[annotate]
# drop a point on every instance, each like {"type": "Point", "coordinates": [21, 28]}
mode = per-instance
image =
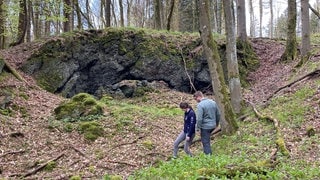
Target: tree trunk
{"type": "Point", "coordinates": [129, 3]}
{"type": "Point", "coordinates": [241, 15]}
{"type": "Point", "coordinates": [231, 55]}
{"type": "Point", "coordinates": [252, 20]}
{"type": "Point", "coordinates": [305, 28]}
{"type": "Point", "coordinates": [22, 26]}
{"type": "Point", "coordinates": [121, 13]}
{"type": "Point", "coordinates": [271, 19]}
{"type": "Point", "coordinates": [171, 10]}
{"type": "Point", "coordinates": [291, 45]}
{"type": "Point", "coordinates": [157, 17]}
{"type": "Point", "coordinates": [261, 17]}
{"type": "Point", "coordinates": [29, 15]}
{"type": "Point", "coordinates": [108, 13]}
{"type": "Point", "coordinates": [228, 123]}
{"type": "Point", "coordinates": [78, 12]}
{"type": "Point", "coordinates": [67, 14]}
{"type": "Point", "coordinates": [2, 27]}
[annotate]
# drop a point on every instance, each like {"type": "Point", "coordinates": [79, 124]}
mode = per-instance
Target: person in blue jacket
{"type": "Point", "coordinates": [188, 132]}
{"type": "Point", "coordinates": [208, 116]}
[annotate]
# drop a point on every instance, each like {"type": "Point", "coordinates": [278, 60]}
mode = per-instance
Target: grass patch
{"type": "Point", "coordinates": [289, 110]}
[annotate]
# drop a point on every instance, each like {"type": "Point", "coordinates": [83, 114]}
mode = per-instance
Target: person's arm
{"type": "Point", "coordinates": [192, 124]}
{"type": "Point", "coordinates": [199, 117]}
{"type": "Point", "coordinates": [218, 116]}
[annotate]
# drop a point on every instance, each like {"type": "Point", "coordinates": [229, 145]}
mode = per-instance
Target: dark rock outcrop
{"type": "Point", "coordinates": [96, 60]}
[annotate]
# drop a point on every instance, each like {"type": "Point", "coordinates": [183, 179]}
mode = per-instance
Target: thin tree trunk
{"type": "Point", "coordinates": [108, 13]}
{"type": "Point", "coordinates": [121, 13]}
{"type": "Point", "coordinates": [271, 18]}
{"type": "Point", "coordinates": [241, 17]}
{"type": "Point", "coordinates": [28, 31]}
{"type": "Point", "coordinates": [2, 27]}
{"type": "Point", "coordinates": [228, 123]}
{"type": "Point", "coordinates": [114, 15]}
{"type": "Point", "coordinates": [129, 3]}
{"type": "Point", "coordinates": [252, 20]}
{"type": "Point", "coordinates": [305, 27]}
{"type": "Point", "coordinates": [231, 56]}
{"type": "Point", "coordinates": [78, 12]}
{"type": "Point", "coordinates": [67, 14]}
{"type": "Point", "coordinates": [261, 17]}
{"type": "Point", "coordinates": [157, 17]}
{"type": "Point", "coordinates": [171, 10]}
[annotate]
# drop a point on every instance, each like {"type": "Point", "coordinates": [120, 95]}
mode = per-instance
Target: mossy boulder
{"type": "Point", "coordinates": [80, 105]}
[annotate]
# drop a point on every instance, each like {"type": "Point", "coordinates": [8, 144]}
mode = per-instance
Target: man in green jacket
{"type": "Point", "coordinates": [208, 118]}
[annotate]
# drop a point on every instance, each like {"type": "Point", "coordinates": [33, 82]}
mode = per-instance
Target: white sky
{"type": "Point", "coordinates": [279, 6]}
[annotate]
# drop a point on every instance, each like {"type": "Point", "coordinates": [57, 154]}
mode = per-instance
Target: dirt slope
{"type": "Point", "coordinates": [26, 142]}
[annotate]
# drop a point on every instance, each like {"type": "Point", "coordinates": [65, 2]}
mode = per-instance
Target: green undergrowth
{"type": "Point", "coordinates": [247, 153]}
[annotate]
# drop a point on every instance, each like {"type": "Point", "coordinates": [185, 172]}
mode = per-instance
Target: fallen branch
{"type": "Point", "coordinates": [121, 162]}
{"type": "Point", "coordinates": [42, 166]}
{"type": "Point", "coordinates": [132, 142]}
{"type": "Point", "coordinates": [315, 72]}
{"type": "Point", "coordinates": [279, 139]}
{"type": "Point", "coordinates": [186, 70]}
{"type": "Point", "coordinates": [12, 152]}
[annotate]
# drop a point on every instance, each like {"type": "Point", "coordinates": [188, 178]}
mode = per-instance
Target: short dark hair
{"type": "Point", "coordinates": [184, 105]}
{"type": "Point", "coordinates": [198, 94]}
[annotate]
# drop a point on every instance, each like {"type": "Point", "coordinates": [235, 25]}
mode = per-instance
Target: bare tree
{"type": "Point", "coordinates": [228, 123]}
{"type": "Point", "coordinates": [171, 11]}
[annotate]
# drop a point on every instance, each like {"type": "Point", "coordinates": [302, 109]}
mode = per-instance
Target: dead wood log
{"type": "Point", "coordinates": [311, 74]}
{"type": "Point", "coordinates": [42, 166]}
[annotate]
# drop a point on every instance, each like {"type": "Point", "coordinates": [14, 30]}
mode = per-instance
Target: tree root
{"type": "Point", "coordinates": [42, 166]}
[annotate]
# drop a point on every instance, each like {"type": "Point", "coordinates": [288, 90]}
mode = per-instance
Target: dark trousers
{"type": "Point", "coordinates": [205, 139]}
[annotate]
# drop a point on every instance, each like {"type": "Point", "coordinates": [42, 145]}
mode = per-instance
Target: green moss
{"type": "Point", "coordinates": [247, 60]}
{"type": "Point", "coordinates": [91, 130]}
{"type": "Point", "coordinates": [80, 105]}
{"type": "Point", "coordinates": [50, 166]}
{"type": "Point", "coordinates": [75, 177]}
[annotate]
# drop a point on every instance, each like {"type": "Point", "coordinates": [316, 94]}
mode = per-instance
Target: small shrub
{"type": "Point", "coordinates": [76, 177]}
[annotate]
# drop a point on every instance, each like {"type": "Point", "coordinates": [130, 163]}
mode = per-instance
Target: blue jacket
{"type": "Point", "coordinates": [208, 114]}
{"type": "Point", "coordinates": [189, 122]}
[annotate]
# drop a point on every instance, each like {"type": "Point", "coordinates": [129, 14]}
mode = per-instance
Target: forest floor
{"type": "Point", "coordinates": [27, 143]}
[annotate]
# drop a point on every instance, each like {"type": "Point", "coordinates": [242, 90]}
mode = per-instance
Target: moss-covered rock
{"type": "Point", "coordinates": [80, 105]}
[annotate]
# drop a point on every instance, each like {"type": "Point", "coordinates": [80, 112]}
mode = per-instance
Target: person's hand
{"type": "Point", "coordinates": [187, 138]}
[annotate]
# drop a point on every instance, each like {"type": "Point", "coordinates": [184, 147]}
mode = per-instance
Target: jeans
{"type": "Point", "coordinates": [205, 139]}
{"type": "Point", "coordinates": [179, 139]}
